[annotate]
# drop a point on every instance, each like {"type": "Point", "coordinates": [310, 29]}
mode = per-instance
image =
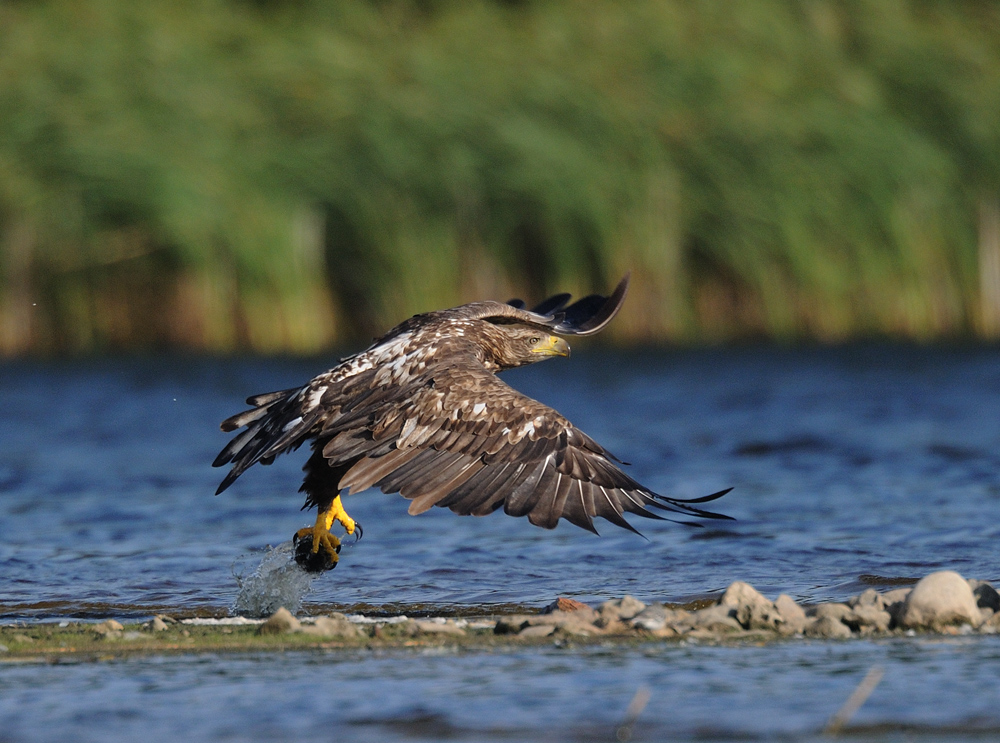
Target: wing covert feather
{"type": "Point", "coordinates": [462, 439]}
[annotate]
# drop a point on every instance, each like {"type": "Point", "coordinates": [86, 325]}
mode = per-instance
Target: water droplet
{"type": "Point", "coordinates": [276, 582]}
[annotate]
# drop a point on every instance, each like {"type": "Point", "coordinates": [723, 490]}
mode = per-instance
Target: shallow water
{"type": "Point", "coordinates": [867, 465]}
{"type": "Point", "coordinates": [931, 690]}
{"type": "Point", "coordinates": [866, 461]}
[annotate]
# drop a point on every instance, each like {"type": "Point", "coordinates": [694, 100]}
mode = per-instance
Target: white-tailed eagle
{"type": "Point", "coordinates": [422, 413]}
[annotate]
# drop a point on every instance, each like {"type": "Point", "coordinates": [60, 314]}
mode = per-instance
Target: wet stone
{"type": "Point", "coordinates": [512, 625]}
{"type": "Point", "coordinates": [156, 625]}
{"type": "Point", "coordinates": [433, 627]}
{"type": "Point", "coordinates": [108, 629]}
{"type": "Point", "coordinates": [868, 619]}
{"type": "Point", "coordinates": [621, 609]}
{"type": "Point", "coordinates": [717, 619]}
{"type": "Point", "coordinates": [992, 625]}
{"type": "Point", "coordinates": [793, 616]}
{"type": "Point", "coordinates": [653, 617]}
{"type": "Point", "coordinates": [832, 610]}
{"type": "Point", "coordinates": [750, 609]}
{"type": "Point", "coordinates": [938, 600]}
{"type": "Point", "coordinates": [894, 602]}
{"type": "Point", "coordinates": [896, 595]}
{"type": "Point", "coordinates": [827, 626]}
{"type": "Point", "coordinates": [335, 625]}
{"type": "Point", "coordinates": [580, 616]}
{"type": "Point", "coordinates": [986, 595]}
{"type": "Point", "coordinates": [565, 604]}
{"type": "Point", "coordinates": [578, 629]}
{"type": "Point", "coordinates": [280, 622]}
{"type": "Point", "coordinates": [868, 597]}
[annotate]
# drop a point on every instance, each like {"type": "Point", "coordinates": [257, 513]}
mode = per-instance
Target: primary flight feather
{"type": "Point", "coordinates": [421, 412]}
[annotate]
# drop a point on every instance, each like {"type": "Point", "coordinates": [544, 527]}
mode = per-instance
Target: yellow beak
{"type": "Point", "coordinates": [551, 346]}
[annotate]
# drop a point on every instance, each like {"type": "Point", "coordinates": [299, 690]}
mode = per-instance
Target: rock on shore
{"type": "Point", "coordinates": [942, 602]}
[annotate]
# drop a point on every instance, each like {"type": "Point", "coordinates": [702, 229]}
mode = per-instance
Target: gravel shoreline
{"type": "Point", "coordinates": [941, 603]}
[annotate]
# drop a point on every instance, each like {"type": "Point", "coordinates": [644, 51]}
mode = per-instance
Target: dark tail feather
{"type": "Point", "coordinates": [275, 426]}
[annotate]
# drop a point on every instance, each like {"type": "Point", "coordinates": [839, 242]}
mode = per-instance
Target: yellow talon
{"type": "Point", "coordinates": [336, 512]}
{"type": "Point", "coordinates": [307, 554]}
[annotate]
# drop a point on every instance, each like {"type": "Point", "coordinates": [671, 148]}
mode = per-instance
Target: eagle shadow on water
{"type": "Point", "coordinates": [422, 413]}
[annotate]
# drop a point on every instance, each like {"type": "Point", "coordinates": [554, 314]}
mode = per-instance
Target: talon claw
{"type": "Point", "coordinates": [358, 532]}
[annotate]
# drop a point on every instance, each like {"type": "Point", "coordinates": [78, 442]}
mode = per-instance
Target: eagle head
{"type": "Point", "coordinates": [513, 345]}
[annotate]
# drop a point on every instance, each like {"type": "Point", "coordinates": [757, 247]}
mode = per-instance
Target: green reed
{"type": "Point", "coordinates": [287, 175]}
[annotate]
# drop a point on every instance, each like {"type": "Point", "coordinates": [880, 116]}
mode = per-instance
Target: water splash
{"type": "Point", "coordinates": [277, 581]}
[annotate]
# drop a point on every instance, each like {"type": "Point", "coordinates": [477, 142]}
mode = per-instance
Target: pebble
{"type": "Point", "coordinates": [335, 625]}
{"type": "Point", "coordinates": [651, 618]}
{"type": "Point", "coordinates": [827, 626]}
{"type": "Point", "coordinates": [834, 611]}
{"type": "Point", "coordinates": [986, 595]}
{"type": "Point", "coordinates": [719, 619]}
{"type": "Point", "coordinates": [793, 616]}
{"type": "Point", "coordinates": [942, 602]}
{"type": "Point", "coordinates": [621, 609]}
{"type": "Point", "coordinates": [868, 618]}
{"type": "Point", "coordinates": [868, 597]}
{"type": "Point", "coordinates": [108, 629]}
{"type": "Point", "coordinates": [564, 604]}
{"type": "Point", "coordinates": [947, 603]}
{"type": "Point", "coordinates": [433, 627]}
{"type": "Point", "coordinates": [750, 609]}
{"type": "Point", "coordinates": [280, 622]}
{"type": "Point", "coordinates": [938, 600]}
{"type": "Point", "coordinates": [512, 625]}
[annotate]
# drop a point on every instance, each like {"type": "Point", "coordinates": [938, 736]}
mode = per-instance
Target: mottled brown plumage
{"type": "Point", "coordinates": [421, 412]}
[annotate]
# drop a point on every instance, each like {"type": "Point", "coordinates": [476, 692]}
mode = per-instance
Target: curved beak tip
{"type": "Point", "coordinates": [553, 346]}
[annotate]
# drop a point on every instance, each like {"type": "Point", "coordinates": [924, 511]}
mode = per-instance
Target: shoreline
{"type": "Point", "coordinates": [942, 603]}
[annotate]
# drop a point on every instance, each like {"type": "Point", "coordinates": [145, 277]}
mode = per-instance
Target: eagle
{"type": "Point", "coordinates": [421, 412]}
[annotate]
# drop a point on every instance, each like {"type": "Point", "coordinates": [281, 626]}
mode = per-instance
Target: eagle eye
{"type": "Point", "coordinates": [534, 340]}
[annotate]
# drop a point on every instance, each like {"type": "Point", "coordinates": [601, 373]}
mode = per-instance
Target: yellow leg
{"type": "Point", "coordinates": [321, 538]}
{"type": "Point", "coordinates": [336, 512]}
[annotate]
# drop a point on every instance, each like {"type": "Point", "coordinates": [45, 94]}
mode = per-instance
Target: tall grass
{"type": "Point", "coordinates": [283, 176]}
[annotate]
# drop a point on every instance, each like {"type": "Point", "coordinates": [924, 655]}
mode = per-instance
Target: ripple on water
{"type": "Point", "coordinates": [846, 462]}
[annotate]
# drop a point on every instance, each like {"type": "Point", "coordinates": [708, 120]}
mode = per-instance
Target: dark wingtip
{"type": "Point", "coordinates": [683, 505]}
{"type": "Point", "coordinates": [229, 480]}
{"type": "Point", "coordinates": [590, 314]}
{"type": "Point", "coordinates": [704, 498]}
{"type": "Point", "coordinates": [552, 304]}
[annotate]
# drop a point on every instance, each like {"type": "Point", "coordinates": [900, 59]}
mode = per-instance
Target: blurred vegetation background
{"type": "Point", "coordinates": [286, 175]}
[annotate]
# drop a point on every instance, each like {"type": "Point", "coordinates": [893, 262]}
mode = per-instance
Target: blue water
{"type": "Point", "coordinates": [931, 690]}
{"type": "Point", "coordinates": [852, 467]}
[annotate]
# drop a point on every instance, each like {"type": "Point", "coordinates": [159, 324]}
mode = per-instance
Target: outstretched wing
{"type": "Point", "coordinates": [464, 440]}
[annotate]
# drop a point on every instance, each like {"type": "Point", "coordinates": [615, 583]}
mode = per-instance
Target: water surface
{"type": "Point", "coordinates": [867, 465]}
{"type": "Point", "coordinates": [847, 463]}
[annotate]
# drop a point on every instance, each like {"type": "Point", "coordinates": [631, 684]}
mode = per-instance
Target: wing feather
{"type": "Point", "coordinates": [502, 450]}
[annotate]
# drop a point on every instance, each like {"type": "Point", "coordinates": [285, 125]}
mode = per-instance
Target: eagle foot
{"type": "Point", "coordinates": [316, 554]}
